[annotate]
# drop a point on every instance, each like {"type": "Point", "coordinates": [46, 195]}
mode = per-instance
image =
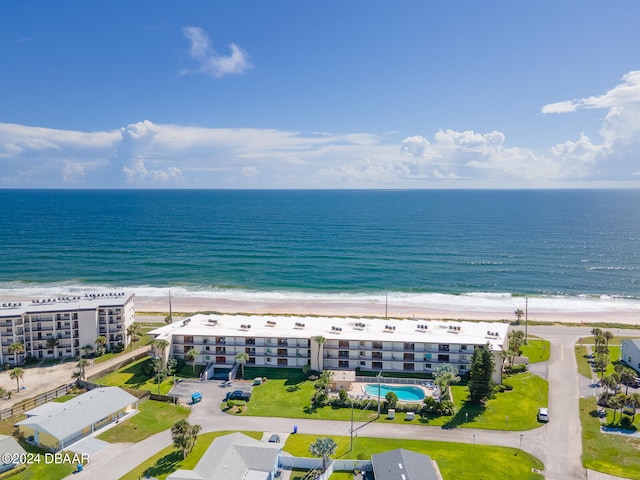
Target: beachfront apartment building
{"type": "Point", "coordinates": [73, 321]}
{"type": "Point", "coordinates": [335, 343]}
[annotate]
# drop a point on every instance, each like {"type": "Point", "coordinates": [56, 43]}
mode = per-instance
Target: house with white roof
{"type": "Point", "coordinates": [336, 343]}
{"type": "Point", "coordinates": [55, 426]}
{"type": "Point", "coordinates": [630, 353]}
{"type": "Point", "coordinates": [235, 457]}
{"type": "Point", "coordinates": [11, 450]}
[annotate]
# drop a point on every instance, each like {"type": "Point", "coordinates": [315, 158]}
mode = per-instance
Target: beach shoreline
{"type": "Point", "coordinates": [379, 310]}
{"type": "Point", "coordinates": [378, 307]}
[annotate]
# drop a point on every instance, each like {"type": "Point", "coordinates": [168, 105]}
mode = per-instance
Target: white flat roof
{"type": "Point", "coordinates": [66, 303]}
{"type": "Point", "coordinates": [339, 328]}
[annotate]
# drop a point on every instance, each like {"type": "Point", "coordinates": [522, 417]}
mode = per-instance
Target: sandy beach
{"type": "Point", "coordinates": [462, 308]}
{"type": "Point", "coordinates": [346, 308]}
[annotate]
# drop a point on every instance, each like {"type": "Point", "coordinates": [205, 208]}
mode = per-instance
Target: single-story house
{"type": "Point", "coordinates": [401, 464]}
{"type": "Point", "coordinates": [55, 426]}
{"type": "Point", "coordinates": [235, 457]}
{"type": "Point", "coordinates": [630, 353]}
{"type": "Point", "coordinates": [11, 450]}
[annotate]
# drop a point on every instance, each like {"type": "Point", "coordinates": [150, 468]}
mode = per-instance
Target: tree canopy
{"type": "Point", "coordinates": [480, 375]}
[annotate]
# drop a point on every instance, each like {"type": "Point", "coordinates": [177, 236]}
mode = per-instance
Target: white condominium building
{"type": "Point", "coordinates": [73, 321]}
{"type": "Point", "coordinates": [334, 343]}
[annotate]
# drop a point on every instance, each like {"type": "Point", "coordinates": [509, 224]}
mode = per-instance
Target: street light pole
{"type": "Point", "coordinates": [351, 446]}
{"type": "Point", "coordinates": [379, 376]}
{"type": "Point", "coordinates": [520, 447]}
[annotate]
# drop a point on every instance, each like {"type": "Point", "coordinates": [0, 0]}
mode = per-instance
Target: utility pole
{"type": "Point", "coordinates": [526, 319]}
{"type": "Point", "coordinates": [386, 304]}
{"type": "Point", "coordinates": [379, 376]}
{"type": "Point", "coordinates": [351, 445]}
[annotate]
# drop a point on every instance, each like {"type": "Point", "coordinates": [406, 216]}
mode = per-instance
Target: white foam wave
{"type": "Point", "coordinates": [467, 302]}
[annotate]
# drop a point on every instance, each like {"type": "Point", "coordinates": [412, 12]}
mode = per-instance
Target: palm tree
{"type": "Point", "coordinates": [445, 375]}
{"type": "Point", "coordinates": [16, 349]}
{"type": "Point", "coordinates": [17, 374]}
{"type": "Point", "coordinates": [192, 355]}
{"type": "Point", "coordinates": [323, 447]}
{"type": "Point", "coordinates": [161, 345]}
{"type": "Point", "coordinates": [607, 336]}
{"type": "Point", "coordinates": [600, 364]}
{"type": "Point", "coordinates": [132, 333]}
{"type": "Point", "coordinates": [86, 349]}
{"type": "Point", "coordinates": [616, 402]}
{"type": "Point", "coordinates": [100, 342]}
{"type": "Point", "coordinates": [634, 401]}
{"type": "Point", "coordinates": [52, 344]}
{"type": "Point", "coordinates": [626, 376]}
{"type": "Point", "coordinates": [609, 383]}
{"type": "Point", "coordinates": [242, 358]}
{"type": "Point", "coordinates": [519, 314]}
{"type": "Point", "coordinates": [320, 340]}
{"type": "Point", "coordinates": [82, 366]}
{"type": "Point", "coordinates": [184, 436]}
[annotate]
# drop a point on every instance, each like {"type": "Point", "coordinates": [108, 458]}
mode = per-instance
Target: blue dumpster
{"type": "Point", "coordinates": [79, 467]}
{"type": "Point", "coordinates": [295, 429]}
{"type": "Point", "coordinates": [196, 397]}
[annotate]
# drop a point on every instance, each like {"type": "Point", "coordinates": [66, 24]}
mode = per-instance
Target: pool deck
{"type": "Point", "coordinates": [358, 392]}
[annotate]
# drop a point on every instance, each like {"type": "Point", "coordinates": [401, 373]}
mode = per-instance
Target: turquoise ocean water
{"type": "Point", "coordinates": [564, 244]}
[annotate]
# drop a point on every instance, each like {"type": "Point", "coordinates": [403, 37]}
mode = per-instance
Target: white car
{"type": "Point", "coordinates": [543, 414]}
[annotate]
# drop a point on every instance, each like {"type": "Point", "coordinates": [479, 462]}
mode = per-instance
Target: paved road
{"type": "Point", "coordinates": [558, 444]}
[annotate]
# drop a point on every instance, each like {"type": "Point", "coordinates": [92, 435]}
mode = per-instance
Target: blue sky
{"type": "Point", "coordinates": [289, 94]}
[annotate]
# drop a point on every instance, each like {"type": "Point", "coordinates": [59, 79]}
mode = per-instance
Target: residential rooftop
{"type": "Point", "coordinates": [304, 327]}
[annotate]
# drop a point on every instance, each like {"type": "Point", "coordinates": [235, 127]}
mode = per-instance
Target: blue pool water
{"type": "Point", "coordinates": [406, 393]}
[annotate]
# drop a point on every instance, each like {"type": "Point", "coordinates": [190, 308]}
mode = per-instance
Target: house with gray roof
{"type": "Point", "coordinates": [9, 445]}
{"type": "Point", "coordinates": [630, 353]}
{"type": "Point", "coordinates": [235, 457]}
{"type": "Point", "coordinates": [401, 464]}
{"type": "Point", "coordinates": [54, 426]}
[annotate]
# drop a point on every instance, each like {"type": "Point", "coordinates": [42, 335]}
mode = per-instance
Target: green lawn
{"type": "Point", "coordinates": [64, 398]}
{"type": "Point", "coordinates": [169, 459]}
{"type": "Point", "coordinates": [537, 350]}
{"type": "Point", "coordinates": [613, 454]}
{"type": "Point", "coordinates": [455, 460]}
{"type": "Point", "coordinates": [615, 341]}
{"type": "Point", "coordinates": [133, 376]}
{"type": "Point", "coordinates": [584, 367]}
{"type": "Point", "coordinates": [37, 471]}
{"type": "Point", "coordinates": [290, 397]}
{"type": "Point", "coordinates": [153, 417]}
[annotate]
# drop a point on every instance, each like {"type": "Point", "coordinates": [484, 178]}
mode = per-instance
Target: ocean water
{"type": "Point", "coordinates": [450, 246]}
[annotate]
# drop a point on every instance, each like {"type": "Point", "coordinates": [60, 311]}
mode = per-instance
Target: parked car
{"type": "Point", "coordinates": [274, 438]}
{"type": "Point", "coordinates": [239, 395]}
{"type": "Point", "coordinates": [543, 414]}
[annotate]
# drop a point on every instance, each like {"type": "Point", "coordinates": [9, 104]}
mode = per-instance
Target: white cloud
{"type": "Point", "coordinates": [211, 62]}
{"type": "Point", "coordinates": [145, 154]}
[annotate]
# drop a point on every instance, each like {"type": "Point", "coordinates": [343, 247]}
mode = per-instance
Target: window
{"type": "Point", "coordinates": [343, 343]}
{"type": "Point", "coordinates": [409, 346]}
{"type": "Point", "coordinates": [427, 365]}
{"type": "Point", "coordinates": [463, 347]}
{"type": "Point", "coordinates": [221, 360]}
{"type": "Point", "coordinates": [409, 366]}
{"type": "Point", "coordinates": [282, 362]}
{"type": "Point", "coordinates": [408, 356]}
{"type": "Point", "coordinates": [250, 341]}
{"type": "Point", "coordinates": [377, 345]}
{"type": "Point", "coordinates": [362, 364]}
{"type": "Point", "coordinates": [376, 365]}
{"type": "Point", "coordinates": [443, 358]}
{"type": "Point", "coordinates": [221, 340]}
{"type": "Point", "coordinates": [343, 363]}
{"type": "Point", "coordinates": [427, 356]}
{"type": "Point", "coordinates": [443, 348]}
{"type": "Point", "coordinates": [343, 354]}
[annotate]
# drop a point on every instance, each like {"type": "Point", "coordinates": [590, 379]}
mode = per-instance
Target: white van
{"type": "Point", "coordinates": [543, 414]}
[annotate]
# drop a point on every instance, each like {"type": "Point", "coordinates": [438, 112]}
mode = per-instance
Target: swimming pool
{"type": "Point", "coordinates": [405, 393]}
